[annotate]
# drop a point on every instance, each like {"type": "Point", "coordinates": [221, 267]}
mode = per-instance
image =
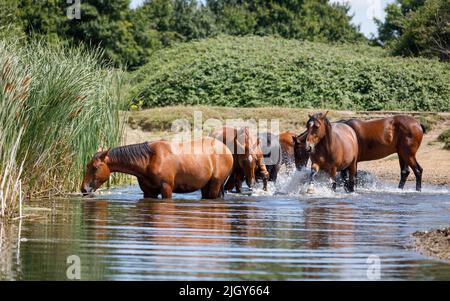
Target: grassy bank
{"type": "Point", "coordinates": [162, 119]}
{"type": "Point", "coordinates": [57, 105]}
{"type": "Point", "coordinates": [156, 123]}
{"type": "Point", "coordinates": [268, 71]}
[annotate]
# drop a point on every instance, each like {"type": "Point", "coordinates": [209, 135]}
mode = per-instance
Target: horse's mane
{"type": "Point", "coordinates": [132, 152]}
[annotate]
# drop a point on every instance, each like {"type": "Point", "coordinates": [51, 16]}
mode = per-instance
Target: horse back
{"type": "Point", "coordinates": [382, 137]}
{"type": "Point", "coordinates": [286, 140]}
{"type": "Point", "coordinates": [189, 155]}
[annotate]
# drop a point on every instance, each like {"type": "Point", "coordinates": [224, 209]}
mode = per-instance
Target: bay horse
{"type": "Point", "coordinates": [333, 147]}
{"type": "Point", "coordinates": [287, 147]}
{"type": "Point", "coordinates": [162, 167]}
{"type": "Point", "coordinates": [301, 155]}
{"type": "Point", "coordinates": [399, 134]}
{"type": "Point", "coordinates": [247, 157]}
{"type": "Point", "coordinates": [272, 154]}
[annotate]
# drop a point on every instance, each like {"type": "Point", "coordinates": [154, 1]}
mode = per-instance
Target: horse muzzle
{"type": "Point", "coordinates": [86, 190]}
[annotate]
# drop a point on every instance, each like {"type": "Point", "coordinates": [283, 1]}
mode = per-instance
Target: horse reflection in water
{"type": "Point", "coordinates": [213, 239]}
{"type": "Point", "coordinates": [96, 214]}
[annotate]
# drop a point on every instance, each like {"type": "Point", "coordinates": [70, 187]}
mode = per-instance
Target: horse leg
{"type": "Point", "coordinates": [146, 189]}
{"type": "Point", "coordinates": [229, 185]}
{"type": "Point", "coordinates": [410, 159]}
{"type": "Point", "coordinates": [418, 170]}
{"type": "Point", "coordinates": [352, 170]}
{"type": "Point", "coordinates": [274, 175]}
{"type": "Point", "coordinates": [312, 177]}
{"type": "Point", "coordinates": [239, 179]}
{"type": "Point", "coordinates": [205, 192]}
{"type": "Point", "coordinates": [343, 181]}
{"type": "Point", "coordinates": [214, 189]}
{"type": "Point", "coordinates": [166, 191]}
{"type": "Point", "coordinates": [333, 178]}
{"type": "Point", "coordinates": [404, 172]}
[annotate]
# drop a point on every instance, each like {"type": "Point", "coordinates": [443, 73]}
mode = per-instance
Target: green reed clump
{"type": "Point", "coordinates": [57, 105]}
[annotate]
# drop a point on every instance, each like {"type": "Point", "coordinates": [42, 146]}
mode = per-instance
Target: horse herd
{"type": "Point", "coordinates": [230, 156]}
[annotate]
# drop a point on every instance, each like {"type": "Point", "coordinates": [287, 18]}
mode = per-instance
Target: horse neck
{"type": "Point", "coordinates": [125, 165]}
{"type": "Point", "coordinates": [329, 139]}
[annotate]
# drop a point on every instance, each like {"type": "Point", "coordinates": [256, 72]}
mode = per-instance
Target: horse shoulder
{"type": "Point", "coordinates": [161, 158]}
{"type": "Point", "coordinates": [347, 141]}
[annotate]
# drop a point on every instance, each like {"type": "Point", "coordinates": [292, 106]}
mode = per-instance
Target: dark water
{"type": "Point", "coordinates": [119, 236]}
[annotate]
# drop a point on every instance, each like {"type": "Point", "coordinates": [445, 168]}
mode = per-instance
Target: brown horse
{"type": "Point", "coordinates": [281, 150]}
{"type": "Point", "coordinates": [162, 167]}
{"type": "Point", "coordinates": [399, 134]}
{"type": "Point", "coordinates": [271, 149]}
{"type": "Point", "coordinates": [287, 147]}
{"type": "Point", "coordinates": [301, 155]}
{"type": "Point", "coordinates": [333, 147]}
{"type": "Point", "coordinates": [247, 155]}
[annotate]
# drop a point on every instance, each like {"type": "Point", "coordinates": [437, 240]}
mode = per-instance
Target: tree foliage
{"type": "Point", "coordinates": [296, 19]}
{"type": "Point", "coordinates": [129, 36]}
{"type": "Point", "coordinates": [417, 28]}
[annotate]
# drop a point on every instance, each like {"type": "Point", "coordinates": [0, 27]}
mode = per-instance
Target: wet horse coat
{"type": "Point", "coordinates": [272, 152]}
{"type": "Point", "coordinates": [287, 144]}
{"type": "Point", "coordinates": [162, 167]}
{"type": "Point", "coordinates": [301, 156]}
{"type": "Point", "coordinates": [333, 147]}
{"type": "Point", "coordinates": [247, 155]}
{"type": "Point", "coordinates": [399, 134]}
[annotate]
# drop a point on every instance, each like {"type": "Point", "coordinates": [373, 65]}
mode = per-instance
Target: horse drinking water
{"type": "Point", "coordinates": [333, 147]}
{"type": "Point", "coordinates": [247, 155]}
{"type": "Point", "coordinates": [162, 167]}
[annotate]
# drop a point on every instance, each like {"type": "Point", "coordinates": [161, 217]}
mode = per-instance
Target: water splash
{"type": "Point", "coordinates": [292, 182]}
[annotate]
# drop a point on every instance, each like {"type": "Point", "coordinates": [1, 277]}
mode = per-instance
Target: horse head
{"type": "Point", "coordinates": [250, 156]}
{"type": "Point", "coordinates": [301, 155]}
{"type": "Point", "coordinates": [316, 129]}
{"type": "Point", "coordinates": [97, 172]}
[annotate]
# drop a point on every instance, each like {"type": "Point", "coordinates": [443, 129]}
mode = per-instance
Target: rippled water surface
{"type": "Point", "coordinates": [287, 236]}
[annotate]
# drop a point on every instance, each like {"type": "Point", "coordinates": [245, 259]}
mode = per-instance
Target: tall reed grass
{"type": "Point", "coordinates": [57, 105]}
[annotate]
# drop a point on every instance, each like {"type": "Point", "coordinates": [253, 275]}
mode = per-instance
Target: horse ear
{"type": "Point", "coordinates": [103, 155]}
{"type": "Point", "coordinates": [100, 149]}
{"type": "Point", "coordinates": [325, 115]}
{"type": "Point", "coordinates": [295, 139]}
{"type": "Point", "coordinates": [310, 116]}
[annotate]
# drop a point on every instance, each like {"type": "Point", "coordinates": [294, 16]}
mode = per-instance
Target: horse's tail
{"type": "Point", "coordinates": [423, 128]}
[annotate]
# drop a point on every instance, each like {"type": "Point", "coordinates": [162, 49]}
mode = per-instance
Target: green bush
{"type": "Point", "coordinates": [445, 137]}
{"type": "Point", "coordinates": [267, 71]}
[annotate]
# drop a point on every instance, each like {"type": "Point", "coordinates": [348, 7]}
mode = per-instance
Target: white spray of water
{"type": "Point", "coordinates": [292, 182]}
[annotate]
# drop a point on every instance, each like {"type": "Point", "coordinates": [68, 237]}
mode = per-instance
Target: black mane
{"type": "Point", "coordinates": [132, 152]}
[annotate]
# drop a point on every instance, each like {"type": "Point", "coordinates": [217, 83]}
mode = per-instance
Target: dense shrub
{"type": "Point", "coordinates": [445, 137]}
{"type": "Point", "coordinates": [267, 71]}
